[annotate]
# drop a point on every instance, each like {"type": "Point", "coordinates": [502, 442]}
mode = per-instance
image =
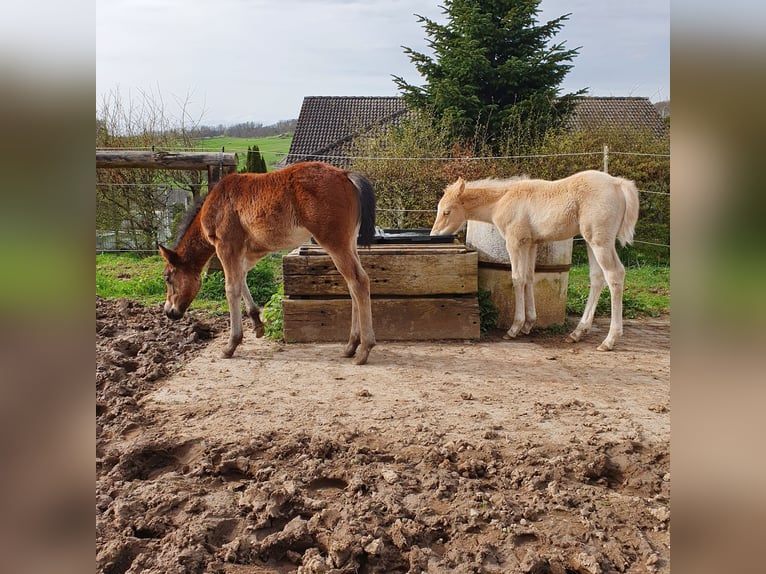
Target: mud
{"type": "Point", "coordinates": [528, 456]}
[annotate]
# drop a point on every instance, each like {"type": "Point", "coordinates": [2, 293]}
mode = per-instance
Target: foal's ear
{"type": "Point", "coordinates": [460, 185]}
{"type": "Point", "coordinates": [169, 255]}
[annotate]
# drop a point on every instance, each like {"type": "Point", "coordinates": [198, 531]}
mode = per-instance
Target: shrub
{"type": "Point", "coordinates": [488, 311]}
{"type": "Point", "coordinates": [272, 315]}
{"type": "Point", "coordinates": [408, 178]}
{"type": "Point", "coordinates": [262, 281]}
{"type": "Point", "coordinates": [402, 184]}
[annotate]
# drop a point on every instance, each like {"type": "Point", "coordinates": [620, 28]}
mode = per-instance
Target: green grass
{"type": "Point", "coordinates": [132, 276]}
{"type": "Point", "coordinates": [647, 288]}
{"type": "Point", "coordinates": [140, 278]}
{"type": "Point", "coordinates": [273, 148]}
{"type": "Point", "coordinates": [646, 294]}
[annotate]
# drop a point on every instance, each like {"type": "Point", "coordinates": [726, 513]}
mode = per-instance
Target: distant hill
{"type": "Point", "coordinates": [246, 130]}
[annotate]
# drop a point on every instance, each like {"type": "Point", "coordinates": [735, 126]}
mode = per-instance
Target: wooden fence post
{"type": "Point", "coordinates": [216, 164]}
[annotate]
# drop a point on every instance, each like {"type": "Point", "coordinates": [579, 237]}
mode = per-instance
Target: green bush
{"type": "Point", "coordinates": [408, 178]}
{"type": "Point", "coordinates": [272, 315]}
{"type": "Point", "coordinates": [261, 279]}
{"type": "Point", "coordinates": [404, 185]}
{"type": "Point", "coordinates": [488, 311]}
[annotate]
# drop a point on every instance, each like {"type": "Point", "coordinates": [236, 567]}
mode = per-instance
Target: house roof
{"type": "Point", "coordinates": [616, 111]}
{"type": "Point", "coordinates": [327, 124]}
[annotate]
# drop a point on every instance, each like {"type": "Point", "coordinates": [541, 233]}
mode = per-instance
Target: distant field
{"type": "Point", "coordinates": [273, 148]}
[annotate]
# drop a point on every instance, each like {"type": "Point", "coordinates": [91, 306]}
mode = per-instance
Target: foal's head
{"type": "Point", "coordinates": [450, 214]}
{"type": "Point", "coordinates": [182, 283]}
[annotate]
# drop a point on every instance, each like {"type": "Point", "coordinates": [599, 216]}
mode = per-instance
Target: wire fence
{"type": "Point", "coordinates": [164, 188]}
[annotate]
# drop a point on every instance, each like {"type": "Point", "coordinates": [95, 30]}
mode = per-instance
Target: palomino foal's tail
{"type": "Point", "coordinates": [629, 218]}
{"type": "Point", "coordinates": [367, 207]}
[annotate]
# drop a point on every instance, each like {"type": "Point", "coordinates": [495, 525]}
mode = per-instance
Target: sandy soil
{"type": "Point", "coordinates": [528, 456]}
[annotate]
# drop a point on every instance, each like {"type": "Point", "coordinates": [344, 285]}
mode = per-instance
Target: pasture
{"type": "Point", "coordinates": [273, 148]}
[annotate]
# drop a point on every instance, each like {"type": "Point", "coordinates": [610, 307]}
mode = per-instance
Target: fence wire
{"type": "Point", "coordinates": [350, 158]}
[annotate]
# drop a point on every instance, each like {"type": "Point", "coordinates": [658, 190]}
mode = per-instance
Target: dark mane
{"type": "Point", "coordinates": [188, 217]}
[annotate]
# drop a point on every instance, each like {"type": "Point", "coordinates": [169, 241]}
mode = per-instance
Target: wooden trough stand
{"type": "Point", "coordinates": [419, 292]}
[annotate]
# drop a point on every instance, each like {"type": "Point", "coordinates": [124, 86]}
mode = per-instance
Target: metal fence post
{"type": "Point", "coordinates": [606, 158]}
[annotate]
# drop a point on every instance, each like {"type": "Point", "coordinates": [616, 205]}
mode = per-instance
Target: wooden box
{"type": "Point", "coordinates": [419, 292]}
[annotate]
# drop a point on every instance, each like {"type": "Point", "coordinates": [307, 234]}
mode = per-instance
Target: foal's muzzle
{"type": "Point", "coordinates": [172, 313]}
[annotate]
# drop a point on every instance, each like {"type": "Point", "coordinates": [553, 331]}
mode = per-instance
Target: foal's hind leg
{"type": "Point", "coordinates": [234, 275]}
{"type": "Point", "coordinates": [614, 272]}
{"type": "Point", "coordinates": [596, 286]}
{"type": "Point", "coordinates": [362, 337]}
{"type": "Point", "coordinates": [252, 309]}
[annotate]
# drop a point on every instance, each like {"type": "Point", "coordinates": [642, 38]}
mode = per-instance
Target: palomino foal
{"type": "Point", "coordinates": [527, 212]}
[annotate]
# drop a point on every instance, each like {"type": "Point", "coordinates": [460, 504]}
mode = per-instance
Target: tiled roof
{"type": "Point", "coordinates": [623, 112]}
{"type": "Point", "coordinates": [327, 124]}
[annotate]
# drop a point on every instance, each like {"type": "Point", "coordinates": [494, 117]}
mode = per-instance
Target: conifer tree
{"type": "Point", "coordinates": [255, 162]}
{"type": "Point", "coordinates": [493, 69]}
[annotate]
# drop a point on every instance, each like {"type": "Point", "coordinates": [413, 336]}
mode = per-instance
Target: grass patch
{"type": "Point", "coordinates": [646, 293]}
{"type": "Point", "coordinates": [140, 278]}
{"type": "Point", "coordinates": [132, 276]}
{"type": "Point", "coordinates": [647, 289]}
{"type": "Point", "coordinates": [273, 148]}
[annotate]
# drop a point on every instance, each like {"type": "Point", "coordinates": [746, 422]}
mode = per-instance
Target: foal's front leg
{"type": "Point", "coordinates": [519, 255]}
{"type": "Point", "coordinates": [530, 311]}
{"type": "Point", "coordinates": [234, 276]}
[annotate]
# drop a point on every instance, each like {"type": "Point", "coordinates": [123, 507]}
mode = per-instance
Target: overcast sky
{"type": "Point", "coordinates": [233, 61]}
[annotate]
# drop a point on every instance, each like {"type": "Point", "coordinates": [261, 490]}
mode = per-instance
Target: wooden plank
{"type": "Point", "coordinates": [312, 320]}
{"type": "Point", "coordinates": [390, 249]}
{"type": "Point", "coordinates": [118, 159]}
{"type": "Point", "coordinates": [422, 272]}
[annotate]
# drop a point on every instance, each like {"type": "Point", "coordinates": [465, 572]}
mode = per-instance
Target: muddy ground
{"type": "Point", "coordinates": [528, 456]}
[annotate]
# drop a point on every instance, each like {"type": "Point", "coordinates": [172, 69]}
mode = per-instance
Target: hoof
{"type": "Point", "coordinates": [363, 352]}
{"type": "Point", "coordinates": [509, 335]}
{"type": "Point", "coordinates": [227, 354]}
{"type": "Point", "coordinates": [260, 331]}
{"type": "Point", "coordinates": [605, 347]}
{"type": "Point", "coordinates": [350, 350]}
{"type": "Point", "coordinates": [572, 338]}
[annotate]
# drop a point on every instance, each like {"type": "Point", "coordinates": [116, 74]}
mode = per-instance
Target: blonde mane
{"type": "Point", "coordinates": [494, 183]}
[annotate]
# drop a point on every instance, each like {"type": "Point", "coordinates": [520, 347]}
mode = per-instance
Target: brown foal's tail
{"type": "Point", "coordinates": [367, 207]}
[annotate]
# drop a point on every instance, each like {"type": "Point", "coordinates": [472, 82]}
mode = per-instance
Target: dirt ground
{"type": "Point", "coordinates": [527, 456]}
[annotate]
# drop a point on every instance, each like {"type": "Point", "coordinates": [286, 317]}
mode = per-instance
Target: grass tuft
{"type": "Point", "coordinates": [646, 293]}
